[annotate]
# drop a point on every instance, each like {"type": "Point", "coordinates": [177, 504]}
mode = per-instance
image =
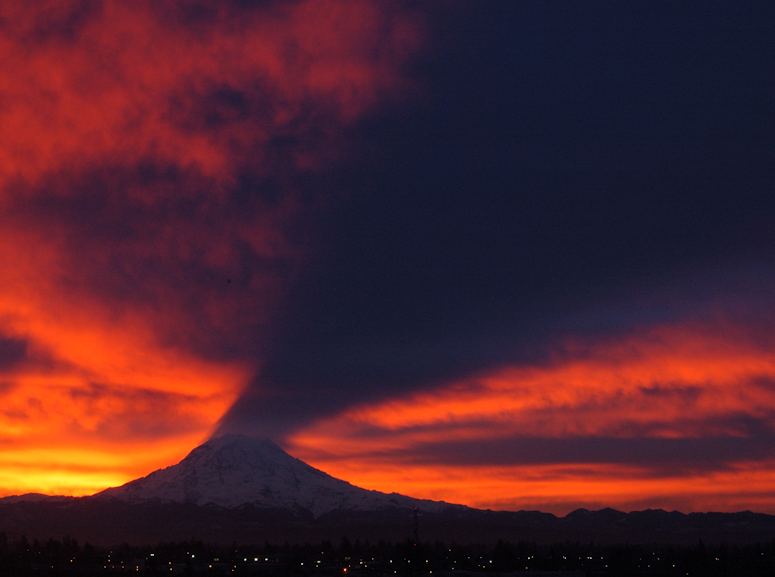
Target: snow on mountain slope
{"type": "Point", "coordinates": [234, 470]}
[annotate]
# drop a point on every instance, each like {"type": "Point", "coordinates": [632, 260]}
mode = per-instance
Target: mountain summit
{"type": "Point", "coordinates": [234, 470]}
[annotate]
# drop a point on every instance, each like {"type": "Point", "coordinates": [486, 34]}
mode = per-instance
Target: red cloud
{"type": "Point", "coordinates": [88, 84]}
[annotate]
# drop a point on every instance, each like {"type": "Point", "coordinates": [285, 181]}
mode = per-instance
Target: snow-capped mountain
{"type": "Point", "coordinates": [235, 470]}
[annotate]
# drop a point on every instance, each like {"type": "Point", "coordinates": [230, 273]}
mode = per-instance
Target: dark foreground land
{"type": "Point", "coordinates": [68, 558]}
{"type": "Point", "coordinates": [582, 543]}
{"type": "Point", "coordinates": [106, 522]}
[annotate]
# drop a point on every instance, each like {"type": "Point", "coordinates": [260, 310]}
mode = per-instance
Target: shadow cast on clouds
{"type": "Point", "coordinates": [505, 256]}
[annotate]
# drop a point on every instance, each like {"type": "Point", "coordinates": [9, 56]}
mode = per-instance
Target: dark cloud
{"type": "Point", "coordinates": [567, 170]}
{"type": "Point", "coordinates": [659, 457]}
{"type": "Point", "coordinates": [12, 352]}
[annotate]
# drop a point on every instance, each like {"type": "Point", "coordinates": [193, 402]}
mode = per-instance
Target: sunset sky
{"type": "Point", "coordinates": [512, 254]}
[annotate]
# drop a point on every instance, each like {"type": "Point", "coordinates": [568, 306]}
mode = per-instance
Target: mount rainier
{"type": "Point", "coordinates": [235, 470]}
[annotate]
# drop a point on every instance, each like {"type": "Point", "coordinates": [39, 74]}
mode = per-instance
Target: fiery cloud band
{"type": "Point", "coordinates": [676, 415]}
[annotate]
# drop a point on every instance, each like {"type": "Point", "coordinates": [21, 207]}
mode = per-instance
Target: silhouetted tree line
{"type": "Point", "coordinates": [67, 558]}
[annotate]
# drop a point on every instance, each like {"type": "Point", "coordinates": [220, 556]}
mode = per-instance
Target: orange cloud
{"type": "Point", "coordinates": [141, 250]}
{"type": "Point", "coordinates": [672, 415]}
